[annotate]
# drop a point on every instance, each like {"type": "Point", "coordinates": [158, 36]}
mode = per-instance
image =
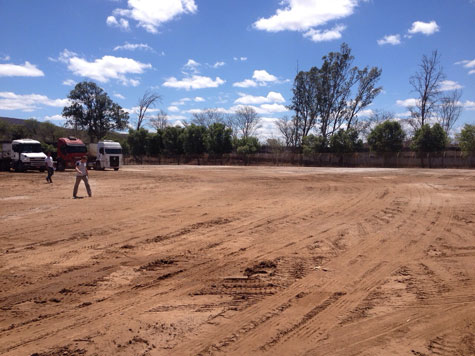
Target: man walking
{"type": "Point", "coordinates": [82, 174]}
{"type": "Point", "coordinates": [49, 167]}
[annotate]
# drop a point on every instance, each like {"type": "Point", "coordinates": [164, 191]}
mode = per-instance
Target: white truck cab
{"type": "Point", "coordinates": [105, 154]}
{"type": "Point", "coordinates": [22, 155]}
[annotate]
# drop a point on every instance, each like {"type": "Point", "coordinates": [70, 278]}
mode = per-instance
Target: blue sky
{"type": "Point", "coordinates": [222, 53]}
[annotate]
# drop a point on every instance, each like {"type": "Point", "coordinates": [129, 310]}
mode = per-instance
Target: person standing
{"type": "Point", "coordinates": [82, 174]}
{"type": "Point", "coordinates": [49, 167]}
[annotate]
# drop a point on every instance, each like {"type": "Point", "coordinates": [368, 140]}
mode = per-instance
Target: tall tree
{"type": "Point", "coordinates": [467, 139]}
{"type": "Point", "coordinates": [159, 122]}
{"type": "Point", "coordinates": [247, 121]}
{"type": "Point", "coordinates": [288, 128]}
{"type": "Point", "coordinates": [219, 139]}
{"type": "Point", "coordinates": [92, 110]}
{"type": "Point", "coordinates": [449, 110]}
{"type": "Point", "coordinates": [149, 99]}
{"type": "Point", "coordinates": [207, 117]}
{"type": "Point", "coordinates": [426, 84]}
{"type": "Point", "coordinates": [387, 137]}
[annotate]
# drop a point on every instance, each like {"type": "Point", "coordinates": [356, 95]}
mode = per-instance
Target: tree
{"type": "Point", "coordinates": [194, 139]}
{"type": "Point", "coordinates": [345, 141]}
{"type": "Point", "coordinates": [426, 84]}
{"type": "Point", "coordinates": [314, 144]}
{"type": "Point", "coordinates": [49, 132]}
{"type": "Point", "coordinates": [247, 121]}
{"type": "Point", "coordinates": [148, 100]}
{"type": "Point", "coordinates": [467, 139]}
{"type": "Point", "coordinates": [331, 97]}
{"type": "Point", "coordinates": [288, 128]}
{"type": "Point", "coordinates": [32, 128]}
{"type": "Point", "coordinates": [4, 130]}
{"type": "Point", "coordinates": [173, 140]}
{"type": "Point", "coordinates": [137, 140]}
{"type": "Point", "coordinates": [247, 145]}
{"type": "Point", "coordinates": [92, 110]}
{"type": "Point", "coordinates": [159, 122]}
{"type": "Point", "coordinates": [219, 139]}
{"type": "Point", "coordinates": [155, 143]}
{"type": "Point", "coordinates": [207, 117]}
{"type": "Point", "coordinates": [429, 139]}
{"type": "Point", "coordinates": [449, 110]}
{"type": "Point", "coordinates": [387, 137]}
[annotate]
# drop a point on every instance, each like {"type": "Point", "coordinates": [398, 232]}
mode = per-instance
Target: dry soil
{"type": "Point", "coordinates": [182, 260]}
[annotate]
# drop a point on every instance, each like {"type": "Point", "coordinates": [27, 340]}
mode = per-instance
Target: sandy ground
{"type": "Point", "coordinates": [181, 260]}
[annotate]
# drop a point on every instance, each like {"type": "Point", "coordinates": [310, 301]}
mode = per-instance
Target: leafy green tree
{"type": "Point", "coordinates": [194, 139]}
{"type": "Point", "coordinates": [137, 140]}
{"type": "Point", "coordinates": [219, 139]}
{"type": "Point", "coordinates": [345, 141]}
{"type": "Point", "coordinates": [49, 132]}
{"type": "Point", "coordinates": [17, 132]}
{"type": "Point", "coordinates": [314, 144]}
{"type": "Point", "coordinates": [32, 128]}
{"type": "Point", "coordinates": [387, 136]}
{"type": "Point", "coordinates": [173, 140]}
{"type": "Point", "coordinates": [91, 109]}
{"type": "Point", "coordinates": [5, 130]}
{"type": "Point", "coordinates": [247, 145]}
{"type": "Point", "coordinates": [429, 139]}
{"type": "Point", "coordinates": [467, 139]}
{"type": "Point", "coordinates": [155, 143]}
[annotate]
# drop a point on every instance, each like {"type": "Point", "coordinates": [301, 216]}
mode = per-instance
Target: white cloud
{"type": "Point", "coordinates": [20, 70]}
{"type": "Point", "coordinates": [120, 96]}
{"type": "Point", "coordinates": [326, 35]}
{"type": "Point", "coordinates": [199, 99]}
{"type": "Point", "coordinates": [263, 109]}
{"type": "Point", "coordinates": [426, 28]}
{"type": "Point", "coordinates": [272, 97]}
{"type": "Point", "coordinates": [247, 83]}
{"type": "Point", "coordinates": [173, 108]}
{"type": "Point", "coordinates": [55, 118]}
{"type": "Point", "coordinates": [182, 101]}
{"type": "Point", "coordinates": [105, 68]}
{"type": "Point", "coordinates": [121, 23]}
{"type": "Point", "coordinates": [5, 58]}
{"type": "Point", "coordinates": [150, 14]}
{"type": "Point", "coordinates": [193, 82]}
{"type": "Point", "coordinates": [301, 15]}
{"type": "Point", "coordinates": [133, 46]}
{"type": "Point", "coordinates": [449, 85]}
{"type": "Point", "coordinates": [468, 64]}
{"type": "Point", "coordinates": [407, 102]}
{"type": "Point", "coordinates": [263, 76]}
{"type": "Point", "coordinates": [390, 39]}
{"type": "Point", "coordinates": [28, 102]}
{"type": "Point", "coordinates": [242, 59]}
{"type": "Point", "coordinates": [218, 64]}
{"type": "Point", "coordinates": [191, 66]}
{"type": "Point", "coordinates": [69, 82]}
{"type": "Point", "coordinates": [469, 105]}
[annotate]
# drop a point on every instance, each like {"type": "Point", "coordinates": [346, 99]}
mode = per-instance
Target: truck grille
{"type": "Point", "coordinates": [114, 161]}
{"type": "Point", "coordinates": [37, 162]}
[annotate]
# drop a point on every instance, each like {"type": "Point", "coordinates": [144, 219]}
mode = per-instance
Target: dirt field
{"type": "Point", "coordinates": [181, 260]}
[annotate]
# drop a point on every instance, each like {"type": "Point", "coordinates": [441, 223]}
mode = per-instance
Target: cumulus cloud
{"type": "Point", "coordinates": [28, 102]}
{"type": "Point", "coordinates": [272, 97]}
{"type": "Point", "coordinates": [191, 66]}
{"type": "Point", "coordinates": [325, 35]}
{"type": "Point", "coordinates": [151, 14]}
{"type": "Point", "coordinates": [301, 15]}
{"type": "Point", "coordinates": [218, 64]}
{"type": "Point", "coordinates": [56, 118]}
{"type": "Point", "coordinates": [390, 39]}
{"type": "Point", "coordinates": [193, 82]}
{"type": "Point", "coordinates": [120, 96]}
{"type": "Point", "coordinates": [242, 59]}
{"type": "Point", "coordinates": [263, 109]}
{"type": "Point", "coordinates": [121, 23]}
{"type": "Point", "coordinates": [259, 77]}
{"type": "Point", "coordinates": [133, 46]}
{"type": "Point", "coordinates": [105, 68]}
{"type": "Point", "coordinates": [449, 85]}
{"type": "Point", "coordinates": [199, 99]}
{"type": "Point", "coordinates": [407, 102]}
{"type": "Point", "coordinates": [468, 64]}
{"type": "Point", "coordinates": [426, 28]}
{"type": "Point", "coordinates": [173, 108]}
{"type": "Point", "coordinates": [469, 105]}
{"type": "Point", "coordinates": [69, 82]}
{"type": "Point", "coordinates": [20, 70]}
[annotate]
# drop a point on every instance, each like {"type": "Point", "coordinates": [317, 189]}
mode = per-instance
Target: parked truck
{"type": "Point", "coordinates": [69, 151]}
{"type": "Point", "coordinates": [105, 154]}
{"type": "Point", "coordinates": [21, 155]}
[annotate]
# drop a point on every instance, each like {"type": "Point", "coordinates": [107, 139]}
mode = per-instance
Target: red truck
{"type": "Point", "coordinates": [69, 151]}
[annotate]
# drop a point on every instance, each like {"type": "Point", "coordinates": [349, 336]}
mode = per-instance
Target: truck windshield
{"type": "Point", "coordinates": [113, 151]}
{"type": "Point", "coordinates": [76, 149]}
{"type": "Point", "coordinates": [29, 148]}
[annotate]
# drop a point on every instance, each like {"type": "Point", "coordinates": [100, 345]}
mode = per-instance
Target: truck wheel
{"type": "Point", "coordinates": [42, 169]}
{"type": "Point", "coordinates": [19, 167]}
{"type": "Point", "coordinates": [116, 169]}
{"type": "Point", "coordinates": [60, 166]}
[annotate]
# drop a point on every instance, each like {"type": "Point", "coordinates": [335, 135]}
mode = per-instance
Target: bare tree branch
{"type": "Point", "coordinates": [148, 100]}
{"type": "Point", "coordinates": [246, 121]}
